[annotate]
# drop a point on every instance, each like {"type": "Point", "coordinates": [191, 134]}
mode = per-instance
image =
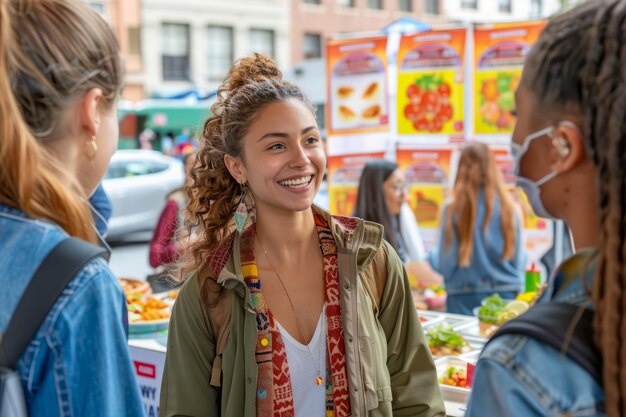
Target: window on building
{"type": "Point", "coordinates": [432, 6]}
{"type": "Point", "coordinates": [469, 4]}
{"type": "Point", "coordinates": [97, 6]}
{"type": "Point", "coordinates": [175, 51]}
{"type": "Point", "coordinates": [375, 4]}
{"type": "Point", "coordinates": [220, 45]}
{"type": "Point", "coordinates": [312, 1]}
{"type": "Point", "coordinates": [312, 46]}
{"type": "Point", "coordinates": [134, 41]}
{"type": "Point", "coordinates": [504, 6]}
{"type": "Point", "coordinates": [405, 5]}
{"type": "Point", "coordinates": [262, 40]}
{"type": "Point", "coordinates": [535, 8]}
{"type": "Point", "coordinates": [346, 3]}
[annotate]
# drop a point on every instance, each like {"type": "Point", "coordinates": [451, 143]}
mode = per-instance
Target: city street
{"type": "Point", "coordinates": [130, 258]}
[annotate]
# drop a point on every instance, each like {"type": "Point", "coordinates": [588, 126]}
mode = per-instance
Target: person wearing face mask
{"type": "Point", "coordinates": [390, 209]}
{"type": "Point", "coordinates": [480, 249]}
{"type": "Point", "coordinates": [570, 146]}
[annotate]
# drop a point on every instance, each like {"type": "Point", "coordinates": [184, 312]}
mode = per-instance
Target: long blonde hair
{"type": "Point", "coordinates": [478, 171]}
{"type": "Point", "coordinates": [51, 52]}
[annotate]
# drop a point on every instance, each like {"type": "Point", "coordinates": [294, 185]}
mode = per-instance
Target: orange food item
{"type": "Point", "coordinates": [371, 91]}
{"type": "Point", "coordinates": [372, 112]}
{"type": "Point", "coordinates": [344, 92]}
{"type": "Point", "coordinates": [489, 89]}
{"type": "Point", "coordinates": [346, 113]}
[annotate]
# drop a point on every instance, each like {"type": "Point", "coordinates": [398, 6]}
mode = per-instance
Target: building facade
{"type": "Point", "coordinates": [191, 44]}
{"type": "Point", "coordinates": [491, 11]}
{"type": "Point", "coordinates": [125, 18]}
{"type": "Point", "coordinates": [313, 21]}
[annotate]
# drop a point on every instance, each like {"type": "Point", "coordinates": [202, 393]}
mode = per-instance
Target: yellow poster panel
{"type": "Point", "coordinates": [531, 221]}
{"type": "Point", "coordinates": [494, 100]}
{"type": "Point", "coordinates": [342, 199]}
{"type": "Point", "coordinates": [426, 201]}
{"type": "Point", "coordinates": [430, 102]}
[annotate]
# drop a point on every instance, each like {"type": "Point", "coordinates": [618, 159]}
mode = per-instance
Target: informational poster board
{"type": "Point", "coordinates": [344, 172]}
{"type": "Point", "coordinates": [499, 54]}
{"type": "Point", "coordinates": [357, 86]}
{"type": "Point", "coordinates": [431, 86]}
{"type": "Point", "coordinates": [148, 359]}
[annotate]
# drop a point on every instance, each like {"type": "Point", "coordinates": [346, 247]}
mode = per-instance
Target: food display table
{"type": "Point", "coordinates": [148, 355]}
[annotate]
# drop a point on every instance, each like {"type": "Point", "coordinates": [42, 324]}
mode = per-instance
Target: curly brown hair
{"type": "Point", "coordinates": [577, 66]}
{"type": "Point", "coordinates": [252, 83]}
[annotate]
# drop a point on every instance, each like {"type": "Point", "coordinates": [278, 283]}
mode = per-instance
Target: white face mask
{"type": "Point", "coordinates": [532, 188]}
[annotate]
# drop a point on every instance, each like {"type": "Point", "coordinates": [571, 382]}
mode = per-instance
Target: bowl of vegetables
{"type": "Point", "coordinates": [443, 340]}
{"type": "Point", "coordinates": [495, 311]}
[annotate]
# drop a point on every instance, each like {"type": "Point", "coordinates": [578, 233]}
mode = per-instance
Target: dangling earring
{"type": "Point", "coordinates": [241, 214]}
{"type": "Point", "coordinates": [91, 148]}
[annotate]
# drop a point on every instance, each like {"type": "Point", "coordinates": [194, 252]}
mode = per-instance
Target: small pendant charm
{"type": "Point", "coordinates": [319, 380]}
{"type": "Point", "coordinates": [241, 215]}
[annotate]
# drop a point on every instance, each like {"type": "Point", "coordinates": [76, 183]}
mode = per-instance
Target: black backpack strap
{"type": "Point", "coordinates": [551, 323]}
{"type": "Point", "coordinates": [53, 275]}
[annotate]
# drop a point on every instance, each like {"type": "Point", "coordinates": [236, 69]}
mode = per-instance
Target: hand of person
{"type": "Point", "coordinates": [421, 275]}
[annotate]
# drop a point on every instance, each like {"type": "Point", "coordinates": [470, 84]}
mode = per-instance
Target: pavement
{"type": "Point", "coordinates": [129, 258]}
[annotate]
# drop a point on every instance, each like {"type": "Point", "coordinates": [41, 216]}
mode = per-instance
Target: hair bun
{"type": "Point", "coordinates": [250, 69]}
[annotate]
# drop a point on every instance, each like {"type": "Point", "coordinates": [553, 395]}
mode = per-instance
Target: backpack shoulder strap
{"type": "Point", "coordinates": [552, 323]}
{"type": "Point", "coordinates": [47, 284]}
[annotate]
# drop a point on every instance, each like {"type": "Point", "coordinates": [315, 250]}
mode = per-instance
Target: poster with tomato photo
{"type": "Point", "coordinates": [344, 172]}
{"type": "Point", "coordinates": [357, 86]}
{"type": "Point", "coordinates": [431, 85]}
{"type": "Point", "coordinates": [499, 54]}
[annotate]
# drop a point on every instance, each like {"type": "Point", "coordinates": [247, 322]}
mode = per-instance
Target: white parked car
{"type": "Point", "coordinates": [137, 182]}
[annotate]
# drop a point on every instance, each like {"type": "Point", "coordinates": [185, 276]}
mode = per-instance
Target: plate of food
{"type": "Point", "coordinates": [443, 340]}
{"type": "Point", "coordinates": [452, 375]}
{"type": "Point", "coordinates": [495, 311]}
{"type": "Point", "coordinates": [148, 315]}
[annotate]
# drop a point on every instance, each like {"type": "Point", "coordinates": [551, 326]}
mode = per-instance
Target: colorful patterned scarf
{"type": "Point", "coordinates": [274, 394]}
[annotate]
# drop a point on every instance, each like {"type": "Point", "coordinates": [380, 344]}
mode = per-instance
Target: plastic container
{"type": "Point", "coordinates": [533, 279]}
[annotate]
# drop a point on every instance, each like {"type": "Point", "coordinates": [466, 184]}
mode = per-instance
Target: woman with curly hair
{"type": "Point", "coordinates": [285, 310]}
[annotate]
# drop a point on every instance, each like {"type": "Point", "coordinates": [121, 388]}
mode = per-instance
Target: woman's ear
{"type": "Point", "coordinates": [89, 111]}
{"type": "Point", "coordinates": [235, 166]}
{"type": "Point", "coordinates": [568, 148]}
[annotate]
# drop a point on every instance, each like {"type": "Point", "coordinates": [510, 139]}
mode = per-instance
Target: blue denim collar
{"type": "Point", "coordinates": [574, 278]}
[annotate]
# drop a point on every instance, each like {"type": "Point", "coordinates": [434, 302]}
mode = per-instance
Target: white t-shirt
{"type": "Point", "coordinates": [309, 399]}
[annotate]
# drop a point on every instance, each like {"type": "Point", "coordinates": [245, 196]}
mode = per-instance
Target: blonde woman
{"type": "Point", "coordinates": [480, 248]}
{"type": "Point", "coordinates": [60, 78]}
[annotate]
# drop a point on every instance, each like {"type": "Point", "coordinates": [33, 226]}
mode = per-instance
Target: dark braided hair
{"type": "Point", "coordinates": [579, 66]}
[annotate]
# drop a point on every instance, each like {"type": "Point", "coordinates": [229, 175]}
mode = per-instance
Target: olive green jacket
{"type": "Point", "coordinates": [210, 366]}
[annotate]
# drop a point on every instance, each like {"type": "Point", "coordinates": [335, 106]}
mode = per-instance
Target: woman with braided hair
{"type": "Point", "coordinates": [285, 310]}
{"type": "Point", "coordinates": [570, 147]}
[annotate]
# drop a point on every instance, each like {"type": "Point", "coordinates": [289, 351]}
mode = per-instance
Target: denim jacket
{"type": "Point", "coordinates": [78, 363]}
{"type": "Point", "coordinates": [519, 376]}
{"type": "Point", "coordinates": [487, 272]}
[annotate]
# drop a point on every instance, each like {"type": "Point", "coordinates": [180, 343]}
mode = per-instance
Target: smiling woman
{"type": "Point", "coordinates": [266, 322]}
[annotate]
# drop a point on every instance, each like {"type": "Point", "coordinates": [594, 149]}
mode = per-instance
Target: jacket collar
{"type": "Point", "coordinates": [352, 235]}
